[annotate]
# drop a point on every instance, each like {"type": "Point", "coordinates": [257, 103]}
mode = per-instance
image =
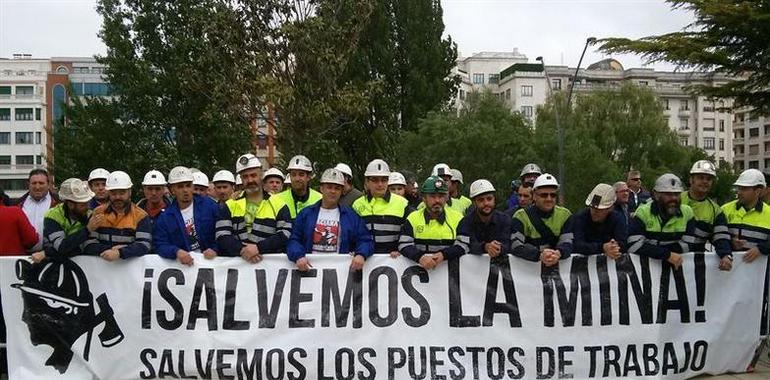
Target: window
{"type": "Point", "coordinates": [462, 95]}
{"type": "Point", "coordinates": [526, 90]}
{"type": "Point", "coordinates": [5, 138]}
{"type": "Point", "coordinates": [37, 114]}
{"type": "Point", "coordinates": [5, 160]}
{"type": "Point", "coordinates": [708, 107]}
{"type": "Point", "coordinates": [767, 129]}
{"type": "Point", "coordinates": [708, 143]}
{"type": "Point", "coordinates": [39, 160]}
{"type": "Point", "coordinates": [684, 124]}
{"type": "Point", "coordinates": [62, 70]}
{"type": "Point", "coordinates": [494, 78]}
{"type": "Point", "coordinates": [5, 114]}
{"type": "Point", "coordinates": [739, 149]}
{"type": "Point", "coordinates": [478, 78]}
{"type": "Point", "coordinates": [508, 95]}
{"type": "Point", "coordinates": [59, 97]}
{"type": "Point", "coordinates": [767, 147]}
{"type": "Point", "coordinates": [754, 164]}
{"type": "Point", "coordinates": [24, 114]}
{"type": "Point", "coordinates": [556, 84]}
{"type": "Point", "coordinates": [526, 111]}
{"type": "Point", "coordinates": [739, 133]}
{"type": "Point", "coordinates": [754, 149]}
{"type": "Point", "coordinates": [644, 83]}
{"type": "Point", "coordinates": [25, 91]}
{"type": "Point", "coordinates": [721, 125]}
{"type": "Point", "coordinates": [754, 132]}
{"type": "Point", "coordinates": [708, 124]}
{"type": "Point", "coordinates": [24, 138]}
{"type": "Point", "coordinates": [666, 104]}
{"type": "Point", "coordinates": [38, 136]}
{"type": "Point", "coordinates": [721, 144]}
{"type": "Point", "coordinates": [5, 90]}
{"type": "Point", "coordinates": [25, 160]}
{"type": "Point", "coordinates": [684, 105]}
{"type": "Point", "coordinates": [767, 163]}
{"type": "Point", "coordinates": [684, 141]}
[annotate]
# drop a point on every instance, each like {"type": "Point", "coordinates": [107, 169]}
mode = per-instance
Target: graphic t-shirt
{"type": "Point", "coordinates": [326, 234]}
{"type": "Point", "coordinates": [189, 228]}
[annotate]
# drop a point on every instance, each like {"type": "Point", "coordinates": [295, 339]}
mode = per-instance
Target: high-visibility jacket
{"type": "Point", "coordinates": [526, 240]}
{"type": "Point", "coordinates": [297, 203]}
{"type": "Point", "coordinates": [383, 217]}
{"type": "Point", "coordinates": [652, 234]}
{"type": "Point", "coordinates": [752, 225]}
{"type": "Point", "coordinates": [269, 227]}
{"type": "Point", "coordinates": [131, 228]}
{"type": "Point", "coordinates": [63, 235]}
{"type": "Point", "coordinates": [710, 225]}
{"type": "Point", "coordinates": [422, 234]}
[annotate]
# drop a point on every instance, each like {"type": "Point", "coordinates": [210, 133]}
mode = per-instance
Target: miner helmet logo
{"type": "Point", "coordinates": [59, 309]}
{"type": "Point", "coordinates": [673, 182]}
{"type": "Point", "coordinates": [243, 160]}
{"type": "Point", "coordinates": [439, 184]}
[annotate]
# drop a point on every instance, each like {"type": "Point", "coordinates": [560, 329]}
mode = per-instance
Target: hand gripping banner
{"type": "Point", "coordinates": [507, 318]}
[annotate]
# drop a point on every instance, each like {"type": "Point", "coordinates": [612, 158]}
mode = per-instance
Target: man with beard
{"type": "Point", "coordinates": [598, 228]}
{"type": "Point", "coordinates": [255, 222]}
{"type": "Point", "coordinates": [710, 221]}
{"type": "Point", "coordinates": [123, 229]}
{"type": "Point", "coordinates": [97, 180]}
{"type": "Point", "coordinates": [663, 228]}
{"type": "Point", "coordinates": [66, 226]}
{"type": "Point", "coordinates": [299, 195]}
{"type": "Point", "coordinates": [224, 186]}
{"type": "Point", "coordinates": [485, 230]}
{"type": "Point", "coordinates": [427, 232]}
{"type": "Point", "coordinates": [328, 227]}
{"type": "Point", "coordinates": [187, 225]}
{"type": "Point", "coordinates": [542, 231]}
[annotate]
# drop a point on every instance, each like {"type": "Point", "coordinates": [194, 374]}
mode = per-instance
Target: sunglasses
{"type": "Point", "coordinates": [635, 179]}
{"type": "Point", "coordinates": [547, 195]}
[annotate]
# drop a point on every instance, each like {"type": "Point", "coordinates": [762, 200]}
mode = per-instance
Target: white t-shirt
{"type": "Point", "coordinates": [327, 229]}
{"type": "Point", "coordinates": [189, 226]}
{"type": "Point", "coordinates": [35, 211]}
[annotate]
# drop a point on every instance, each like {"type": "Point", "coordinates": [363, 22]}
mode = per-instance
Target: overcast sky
{"type": "Point", "coordinates": [554, 29]}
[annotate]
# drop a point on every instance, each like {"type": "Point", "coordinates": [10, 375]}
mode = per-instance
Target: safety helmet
{"type": "Point", "coordinates": [345, 169]}
{"type": "Point", "coordinates": [481, 186]}
{"type": "Point", "coordinates": [75, 190]}
{"type": "Point", "coordinates": [530, 169]}
{"type": "Point", "coordinates": [545, 180]}
{"type": "Point", "coordinates": [377, 168]}
{"type": "Point", "coordinates": [668, 183]}
{"type": "Point", "coordinates": [98, 173]}
{"type": "Point", "coordinates": [154, 178]}
{"type": "Point", "coordinates": [273, 172]}
{"type": "Point", "coordinates": [457, 175]}
{"type": "Point", "coordinates": [396, 178]}
{"type": "Point", "coordinates": [703, 167]}
{"type": "Point", "coordinates": [434, 185]}
{"type": "Point", "coordinates": [60, 281]}
{"type": "Point", "coordinates": [223, 176]}
{"type": "Point", "coordinates": [602, 197]}
{"type": "Point", "coordinates": [118, 180]}
{"type": "Point", "coordinates": [238, 180]}
{"type": "Point", "coordinates": [441, 169]}
{"type": "Point", "coordinates": [287, 181]}
{"type": "Point", "coordinates": [200, 179]}
{"type": "Point", "coordinates": [247, 161]}
{"type": "Point", "coordinates": [300, 162]}
{"type": "Point", "coordinates": [333, 176]}
{"type": "Point", "coordinates": [751, 178]}
{"type": "Point", "coordinates": [180, 174]}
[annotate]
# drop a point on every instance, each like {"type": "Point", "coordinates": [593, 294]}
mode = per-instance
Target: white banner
{"type": "Point", "coordinates": [473, 319]}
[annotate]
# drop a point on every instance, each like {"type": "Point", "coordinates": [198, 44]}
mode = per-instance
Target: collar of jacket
{"type": "Point", "coordinates": [302, 198]}
{"type": "Point", "coordinates": [441, 218]}
{"type": "Point", "coordinates": [386, 197]}
{"type": "Point", "coordinates": [758, 207]}
{"type": "Point", "coordinates": [541, 213]}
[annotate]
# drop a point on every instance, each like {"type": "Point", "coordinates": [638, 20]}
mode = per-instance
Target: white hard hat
{"type": "Point", "coordinates": [200, 179]}
{"type": "Point", "coordinates": [247, 161]}
{"type": "Point", "coordinates": [300, 162]}
{"type": "Point", "coordinates": [703, 167]}
{"type": "Point", "coordinates": [751, 178]}
{"type": "Point", "coordinates": [345, 169]}
{"type": "Point", "coordinates": [545, 180]}
{"type": "Point", "coordinates": [481, 186]}
{"type": "Point", "coordinates": [238, 180]}
{"type": "Point", "coordinates": [273, 172]}
{"type": "Point", "coordinates": [396, 178]}
{"type": "Point", "coordinates": [530, 169]}
{"type": "Point", "coordinates": [441, 169]}
{"type": "Point", "coordinates": [180, 174]}
{"type": "Point", "coordinates": [223, 176]}
{"type": "Point", "coordinates": [154, 178]}
{"type": "Point", "coordinates": [119, 180]}
{"type": "Point", "coordinates": [75, 190]}
{"type": "Point", "coordinates": [377, 168]}
{"type": "Point", "coordinates": [602, 197]}
{"type": "Point", "coordinates": [456, 175]}
{"type": "Point", "coordinates": [98, 173]}
{"type": "Point", "coordinates": [333, 176]}
{"type": "Point", "coordinates": [287, 181]}
{"type": "Point", "coordinates": [668, 183]}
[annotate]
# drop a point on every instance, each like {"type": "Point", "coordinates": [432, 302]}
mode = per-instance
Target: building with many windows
{"type": "Point", "coordinates": [751, 141]}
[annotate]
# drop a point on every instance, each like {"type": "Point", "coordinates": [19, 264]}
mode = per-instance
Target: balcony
{"type": "Point", "coordinates": [21, 98]}
{"type": "Point", "coordinates": [684, 112]}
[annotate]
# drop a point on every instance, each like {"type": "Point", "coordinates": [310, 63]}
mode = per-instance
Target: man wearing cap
{"type": "Point", "coordinates": [429, 231]}
{"type": "Point", "coordinates": [272, 181]}
{"type": "Point", "coordinates": [96, 182]}
{"type": "Point", "coordinates": [710, 221]}
{"type": "Point", "coordinates": [397, 184]}
{"type": "Point", "coordinates": [529, 173]}
{"type": "Point", "coordinates": [299, 195]}
{"type": "Point", "coordinates": [224, 185]}
{"type": "Point", "coordinates": [485, 230]}
{"type": "Point", "coordinates": [457, 200]}
{"type": "Point", "coordinates": [154, 190]}
{"type": "Point", "coordinates": [637, 195]}
{"type": "Point", "coordinates": [329, 227]}
{"type": "Point", "coordinates": [187, 225]}
{"type": "Point", "coordinates": [349, 192]}
{"type": "Point", "coordinates": [748, 218]}
{"type": "Point", "coordinates": [66, 226]}
{"type": "Point", "coordinates": [664, 228]}
{"type": "Point", "coordinates": [542, 231]}
{"type": "Point", "coordinates": [598, 228]}
{"type": "Point", "coordinates": [255, 222]}
{"type": "Point", "coordinates": [383, 211]}
{"type": "Point", "coordinates": [121, 229]}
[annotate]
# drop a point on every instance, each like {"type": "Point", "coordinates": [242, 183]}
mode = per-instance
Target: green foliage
{"type": "Point", "coordinates": [728, 36]}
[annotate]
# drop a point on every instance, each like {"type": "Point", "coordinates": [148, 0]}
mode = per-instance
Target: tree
{"type": "Point", "coordinates": [727, 36]}
{"type": "Point", "coordinates": [485, 140]}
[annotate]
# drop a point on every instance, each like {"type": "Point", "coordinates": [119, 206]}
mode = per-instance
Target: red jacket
{"type": "Point", "coordinates": [16, 234]}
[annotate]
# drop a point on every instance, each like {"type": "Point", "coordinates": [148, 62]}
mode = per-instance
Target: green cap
{"type": "Point", "coordinates": [434, 185]}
